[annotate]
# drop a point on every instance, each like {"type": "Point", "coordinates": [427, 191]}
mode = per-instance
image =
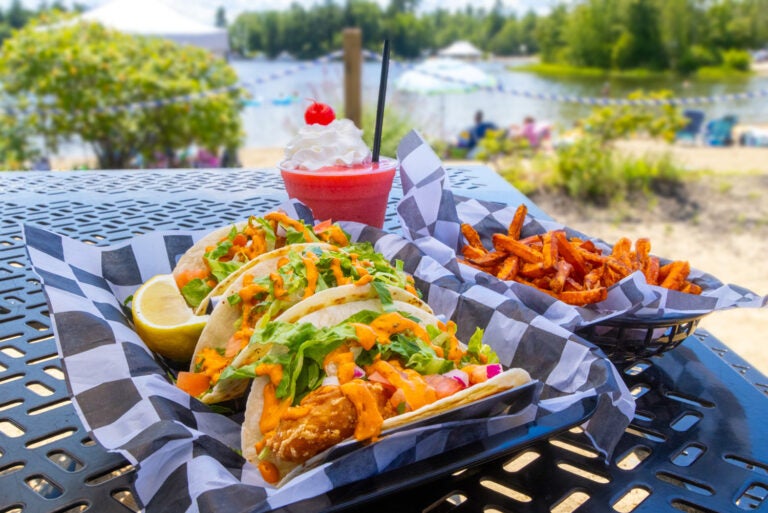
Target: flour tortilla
{"type": "Point", "coordinates": [221, 324]}
{"type": "Point", "coordinates": [192, 260]}
{"type": "Point", "coordinates": [332, 315]}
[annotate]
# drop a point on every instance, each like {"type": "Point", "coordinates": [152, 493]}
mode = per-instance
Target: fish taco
{"type": "Point", "coordinates": [208, 267]}
{"type": "Point", "coordinates": [353, 370]}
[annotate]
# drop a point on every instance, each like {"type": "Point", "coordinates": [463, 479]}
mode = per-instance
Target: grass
{"type": "Point", "coordinates": [566, 70]}
{"type": "Point", "coordinates": [707, 74]}
{"type": "Point", "coordinates": [722, 74]}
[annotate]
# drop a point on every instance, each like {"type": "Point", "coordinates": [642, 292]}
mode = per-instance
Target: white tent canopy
{"type": "Point", "coordinates": [461, 50]}
{"type": "Point", "coordinates": [443, 76]}
{"type": "Point", "coordinates": [153, 18]}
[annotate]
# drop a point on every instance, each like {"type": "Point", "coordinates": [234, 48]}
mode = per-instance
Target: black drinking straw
{"type": "Point", "coordinates": [382, 100]}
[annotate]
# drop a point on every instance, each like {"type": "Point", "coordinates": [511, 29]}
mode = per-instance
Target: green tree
{"type": "Point", "coordinates": [16, 148]}
{"type": "Point", "coordinates": [507, 41]}
{"type": "Point", "coordinates": [366, 15]}
{"type": "Point", "coordinates": [17, 16]}
{"type": "Point", "coordinates": [550, 36]}
{"type": "Point", "coordinates": [640, 44]}
{"type": "Point", "coordinates": [221, 17]}
{"type": "Point", "coordinates": [81, 70]}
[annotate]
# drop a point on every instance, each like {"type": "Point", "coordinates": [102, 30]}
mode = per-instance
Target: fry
{"type": "Point", "coordinates": [470, 252]}
{"type": "Point", "coordinates": [584, 297]}
{"type": "Point", "coordinates": [570, 255]}
{"type": "Point", "coordinates": [651, 271]}
{"type": "Point", "coordinates": [549, 250]}
{"type": "Point", "coordinates": [489, 259]}
{"type": "Point", "coordinates": [473, 238]}
{"type": "Point", "coordinates": [509, 268]}
{"type": "Point", "coordinates": [677, 275]}
{"type": "Point", "coordinates": [557, 284]}
{"type": "Point", "coordinates": [516, 226]}
{"type": "Point", "coordinates": [526, 253]}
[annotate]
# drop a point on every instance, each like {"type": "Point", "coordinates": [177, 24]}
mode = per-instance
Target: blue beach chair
{"type": "Point", "coordinates": [690, 132]}
{"type": "Point", "coordinates": [719, 132]}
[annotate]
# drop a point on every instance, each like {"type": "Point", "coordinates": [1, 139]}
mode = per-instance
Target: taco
{"type": "Point", "coordinates": [212, 263]}
{"type": "Point", "coordinates": [267, 289]}
{"type": "Point", "coordinates": [354, 369]}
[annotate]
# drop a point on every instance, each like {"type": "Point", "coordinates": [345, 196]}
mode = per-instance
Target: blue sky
{"type": "Point", "coordinates": [204, 10]}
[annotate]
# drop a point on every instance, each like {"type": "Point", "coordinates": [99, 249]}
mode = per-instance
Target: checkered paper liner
{"type": "Point", "coordinates": [186, 454]}
{"type": "Point", "coordinates": [431, 216]}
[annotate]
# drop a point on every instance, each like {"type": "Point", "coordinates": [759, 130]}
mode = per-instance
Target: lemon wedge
{"type": "Point", "coordinates": [164, 321]}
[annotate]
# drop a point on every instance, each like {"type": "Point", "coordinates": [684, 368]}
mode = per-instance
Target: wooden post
{"type": "Point", "coordinates": [353, 75]}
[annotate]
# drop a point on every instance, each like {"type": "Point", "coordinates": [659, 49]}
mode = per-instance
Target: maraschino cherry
{"type": "Point", "coordinates": [319, 114]}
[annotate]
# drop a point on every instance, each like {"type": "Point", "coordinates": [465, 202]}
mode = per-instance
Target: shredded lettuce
{"type": "Point", "coordinates": [195, 291]}
{"type": "Point", "coordinates": [223, 269]}
{"type": "Point", "coordinates": [385, 296]}
{"type": "Point", "coordinates": [477, 352]}
{"type": "Point", "coordinates": [269, 233]}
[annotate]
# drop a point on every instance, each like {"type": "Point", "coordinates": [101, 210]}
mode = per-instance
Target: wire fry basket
{"type": "Point", "coordinates": [630, 339]}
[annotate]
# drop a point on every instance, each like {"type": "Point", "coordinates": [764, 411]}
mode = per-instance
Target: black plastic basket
{"type": "Point", "coordinates": [627, 340]}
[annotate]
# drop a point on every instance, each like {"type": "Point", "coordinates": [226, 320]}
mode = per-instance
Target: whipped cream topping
{"type": "Point", "coordinates": [339, 143]}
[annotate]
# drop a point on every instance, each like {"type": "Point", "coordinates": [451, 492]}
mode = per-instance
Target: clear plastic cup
{"type": "Point", "coordinates": [355, 193]}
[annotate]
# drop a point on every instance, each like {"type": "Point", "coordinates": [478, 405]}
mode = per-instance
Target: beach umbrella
{"type": "Point", "coordinates": [444, 76]}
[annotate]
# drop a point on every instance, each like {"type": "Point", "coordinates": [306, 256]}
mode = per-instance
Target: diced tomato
{"type": "Point", "coordinates": [398, 402]}
{"type": "Point", "coordinates": [188, 275]}
{"type": "Point", "coordinates": [322, 226]}
{"type": "Point", "coordinates": [477, 373]}
{"type": "Point", "coordinates": [240, 240]}
{"type": "Point", "coordinates": [443, 386]}
{"type": "Point", "coordinates": [376, 377]}
{"type": "Point", "coordinates": [193, 383]}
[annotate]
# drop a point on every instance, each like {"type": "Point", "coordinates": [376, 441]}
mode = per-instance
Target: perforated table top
{"type": "Point", "coordinates": [698, 442]}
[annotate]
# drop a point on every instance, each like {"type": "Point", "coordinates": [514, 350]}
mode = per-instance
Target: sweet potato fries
{"type": "Point", "coordinates": [572, 270]}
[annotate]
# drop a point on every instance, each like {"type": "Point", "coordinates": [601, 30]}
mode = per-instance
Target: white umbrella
{"type": "Point", "coordinates": [444, 76]}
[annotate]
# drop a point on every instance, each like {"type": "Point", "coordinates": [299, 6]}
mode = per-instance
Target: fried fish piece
{"type": "Point", "coordinates": [322, 419]}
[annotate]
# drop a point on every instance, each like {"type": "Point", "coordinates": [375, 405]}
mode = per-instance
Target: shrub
{"type": "Point", "coordinates": [396, 125]}
{"type": "Point", "coordinates": [82, 70]}
{"type": "Point", "coordinates": [586, 171]}
{"type": "Point", "coordinates": [737, 59]}
{"type": "Point", "coordinates": [696, 57]}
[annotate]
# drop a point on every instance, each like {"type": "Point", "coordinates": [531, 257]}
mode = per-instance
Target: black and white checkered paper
{"type": "Point", "coordinates": [186, 454]}
{"type": "Point", "coordinates": [431, 216]}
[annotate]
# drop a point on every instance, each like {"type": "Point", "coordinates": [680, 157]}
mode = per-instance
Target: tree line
{"type": "Point", "coordinates": [17, 16]}
{"type": "Point", "coordinates": [681, 35]}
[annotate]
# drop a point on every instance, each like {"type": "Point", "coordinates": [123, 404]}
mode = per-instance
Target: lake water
{"type": "Point", "coordinates": [270, 125]}
{"type": "Point", "coordinates": [444, 116]}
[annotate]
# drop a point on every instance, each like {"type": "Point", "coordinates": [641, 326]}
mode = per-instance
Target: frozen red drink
{"type": "Point", "coordinates": [328, 167]}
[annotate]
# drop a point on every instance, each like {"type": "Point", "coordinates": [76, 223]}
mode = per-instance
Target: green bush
{"type": "Point", "coordinates": [589, 171]}
{"type": "Point", "coordinates": [586, 171]}
{"type": "Point", "coordinates": [696, 57]}
{"type": "Point", "coordinates": [396, 125]}
{"type": "Point", "coordinates": [737, 59]}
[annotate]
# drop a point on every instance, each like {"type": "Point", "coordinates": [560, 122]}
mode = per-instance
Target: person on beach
{"type": "Point", "coordinates": [534, 133]}
{"type": "Point", "coordinates": [469, 138]}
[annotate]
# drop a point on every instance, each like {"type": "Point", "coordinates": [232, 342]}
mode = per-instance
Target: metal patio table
{"type": "Point", "coordinates": [698, 443]}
